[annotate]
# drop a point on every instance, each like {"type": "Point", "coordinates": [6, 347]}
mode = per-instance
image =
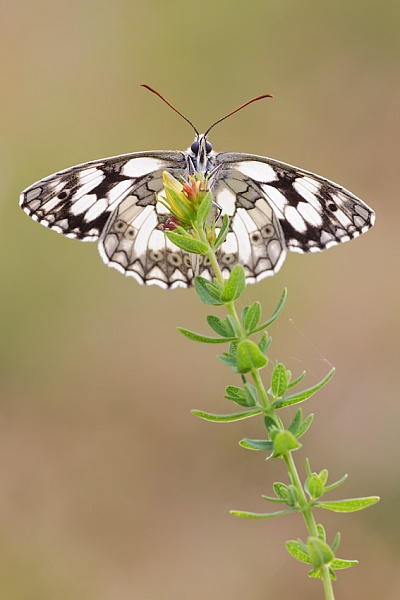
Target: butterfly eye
{"type": "Point", "coordinates": [195, 147]}
{"type": "Point", "coordinates": [208, 147]}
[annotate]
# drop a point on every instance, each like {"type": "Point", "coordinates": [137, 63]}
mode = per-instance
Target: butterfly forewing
{"type": "Point", "coordinates": [314, 213]}
{"type": "Point", "coordinates": [114, 200]}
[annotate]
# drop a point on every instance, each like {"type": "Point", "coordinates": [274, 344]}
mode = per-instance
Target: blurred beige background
{"type": "Point", "coordinates": [109, 487]}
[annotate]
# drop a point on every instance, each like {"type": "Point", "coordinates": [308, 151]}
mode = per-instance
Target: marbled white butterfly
{"type": "Point", "coordinates": [273, 207]}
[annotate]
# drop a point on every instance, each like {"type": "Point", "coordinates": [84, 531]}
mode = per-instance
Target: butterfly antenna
{"type": "Point", "coordinates": [169, 104]}
{"type": "Point", "coordinates": [237, 110]}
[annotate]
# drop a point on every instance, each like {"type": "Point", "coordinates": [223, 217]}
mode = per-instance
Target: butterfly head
{"type": "Point", "coordinates": [200, 151]}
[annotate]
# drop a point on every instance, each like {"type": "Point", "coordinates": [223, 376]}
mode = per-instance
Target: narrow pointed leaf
{"type": "Point", "coordinates": [295, 424]}
{"type": "Point", "coordinates": [253, 515]}
{"type": "Point", "coordinates": [336, 542]}
{"type": "Point", "coordinates": [296, 549]}
{"type": "Point", "coordinates": [226, 418]}
{"type": "Point", "coordinates": [302, 396]}
{"type": "Point", "coordinates": [349, 505]}
{"type": "Point", "coordinates": [275, 314]}
{"type": "Point", "coordinates": [229, 360]}
{"type": "Point", "coordinates": [264, 343]}
{"type": "Point", "coordinates": [321, 532]}
{"type": "Point", "coordinates": [272, 499]}
{"type": "Point", "coordinates": [235, 285]}
{"type": "Point", "coordinates": [204, 209]}
{"type": "Point", "coordinates": [304, 426]}
{"type": "Point", "coordinates": [223, 232]}
{"type": "Point", "coordinates": [221, 326]}
{"type": "Point", "coordinates": [208, 292]}
{"type": "Point", "coordinates": [236, 395]}
{"type": "Point", "coordinates": [251, 394]}
{"type": "Point", "coordinates": [188, 244]}
{"type": "Point", "coordinates": [336, 484]}
{"type": "Point", "coordinates": [340, 563]}
{"type": "Point", "coordinates": [252, 316]}
{"type": "Point", "coordinates": [264, 445]}
{"type": "Point", "coordinates": [279, 380]}
{"type": "Point", "coordinates": [197, 337]}
{"type": "Point", "coordinates": [233, 392]}
{"type": "Point", "coordinates": [297, 380]}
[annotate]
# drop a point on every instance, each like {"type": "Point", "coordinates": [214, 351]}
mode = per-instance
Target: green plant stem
{"type": "Point", "coordinates": [308, 518]}
{"type": "Point", "coordinates": [267, 406]}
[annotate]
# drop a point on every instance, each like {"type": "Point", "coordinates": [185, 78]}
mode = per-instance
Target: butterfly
{"type": "Point", "coordinates": [273, 207]}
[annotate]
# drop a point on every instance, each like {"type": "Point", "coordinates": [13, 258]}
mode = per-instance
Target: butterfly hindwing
{"type": "Point", "coordinates": [134, 244]}
{"type": "Point", "coordinates": [255, 239]}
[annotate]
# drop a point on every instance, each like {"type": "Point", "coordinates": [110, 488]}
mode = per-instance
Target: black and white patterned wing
{"type": "Point", "coordinates": [275, 206]}
{"type": "Point", "coordinates": [114, 201]}
{"type": "Point", "coordinates": [255, 238]}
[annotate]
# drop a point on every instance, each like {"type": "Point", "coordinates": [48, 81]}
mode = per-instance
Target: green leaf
{"type": "Point", "coordinates": [317, 574]}
{"type": "Point", "coordinates": [209, 293]}
{"type": "Point", "coordinates": [323, 475]}
{"type": "Point", "coordinates": [235, 285]}
{"type": "Point", "coordinates": [252, 317]}
{"type": "Point", "coordinates": [271, 424]}
{"type": "Point", "coordinates": [321, 532]}
{"type": "Point", "coordinates": [249, 357]}
{"type": "Point", "coordinates": [264, 445]}
{"type": "Point", "coordinates": [223, 232]}
{"type": "Point", "coordinates": [298, 552]}
{"type": "Point", "coordinates": [275, 314]}
{"type": "Point", "coordinates": [264, 343]}
{"type": "Point", "coordinates": [188, 244]}
{"type": "Point", "coordinates": [204, 209]}
{"type": "Point", "coordinates": [272, 499]}
{"type": "Point", "coordinates": [348, 505]}
{"type": "Point", "coordinates": [244, 397]}
{"type": "Point", "coordinates": [197, 337]}
{"type": "Point", "coordinates": [284, 442]}
{"type": "Point", "coordinates": [336, 542]}
{"type": "Point", "coordinates": [295, 424]}
{"type": "Point", "coordinates": [251, 394]}
{"type": "Point", "coordinates": [279, 380]}
{"type": "Point", "coordinates": [281, 490]}
{"type": "Point", "coordinates": [340, 563]}
{"type": "Point", "coordinates": [233, 347]}
{"type": "Point", "coordinates": [253, 515]}
{"type": "Point", "coordinates": [335, 484]}
{"type": "Point", "coordinates": [297, 380]}
{"type": "Point", "coordinates": [302, 396]}
{"type": "Point", "coordinates": [304, 426]}
{"type": "Point", "coordinates": [314, 486]}
{"type": "Point", "coordinates": [221, 326]}
{"type": "Point", "coordinates": [320, 553]}
{"type": "Point", "coordinates": [227, 418]}
{"type": "Point", "coordinates": [236, 395]}
{"type": "Point", "coordinates": [228, 360]}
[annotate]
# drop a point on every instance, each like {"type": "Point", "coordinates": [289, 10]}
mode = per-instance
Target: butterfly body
{"type": "Point", "coordinates": [273, 207]}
